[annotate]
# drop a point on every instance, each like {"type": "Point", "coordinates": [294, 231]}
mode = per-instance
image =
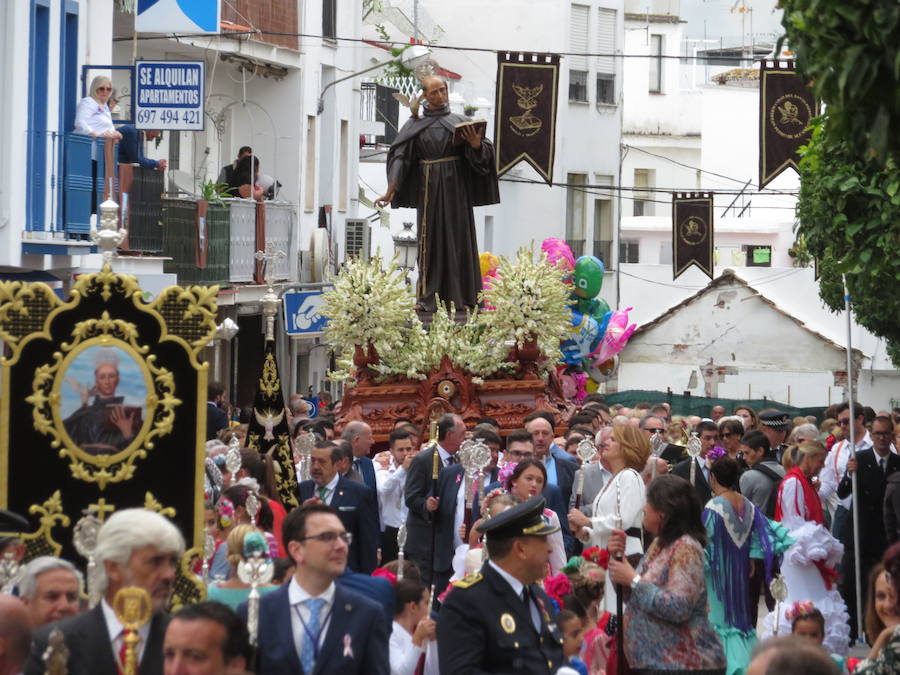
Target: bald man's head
{"type": "Point", "coordinates": [15, 634]}
{"type": "Point", "coordinates": [435, 90]}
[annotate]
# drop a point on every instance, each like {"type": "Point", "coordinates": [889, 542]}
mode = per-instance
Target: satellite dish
{"type": "Point", "coordinates": [184, 181]}
{"type": "Point", "coordinates": [318, 247]}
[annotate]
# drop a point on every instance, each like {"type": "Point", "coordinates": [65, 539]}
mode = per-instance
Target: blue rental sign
{"type": "Point", "coordinates": [301, 313]}
{"type": "Point", "coordinates": [169, 95]}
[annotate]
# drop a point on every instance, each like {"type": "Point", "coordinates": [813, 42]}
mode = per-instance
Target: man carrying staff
{"type": "Point", "coordinates": [498, 620]}
{"type": "Point", "coordinates": [443, 181]}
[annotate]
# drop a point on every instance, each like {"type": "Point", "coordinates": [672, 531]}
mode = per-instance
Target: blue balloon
{"type": "Point", "coordinates": [585, 336]}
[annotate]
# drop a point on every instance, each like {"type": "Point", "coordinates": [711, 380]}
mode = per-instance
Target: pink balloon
{"type": "Point", "coordinates": [616, 336]}
{"type": "Point", "coordinates": [558, 253]}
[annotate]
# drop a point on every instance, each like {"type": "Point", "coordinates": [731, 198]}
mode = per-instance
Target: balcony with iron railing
{"type": "Point", "coordinates": [201, 242]}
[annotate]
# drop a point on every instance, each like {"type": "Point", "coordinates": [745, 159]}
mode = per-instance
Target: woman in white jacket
{"type": "Point", "coordinates": [620, 504]}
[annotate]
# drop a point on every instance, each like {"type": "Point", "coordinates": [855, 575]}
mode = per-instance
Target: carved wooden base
{"type": "Point", "coordinates": [449, 390]}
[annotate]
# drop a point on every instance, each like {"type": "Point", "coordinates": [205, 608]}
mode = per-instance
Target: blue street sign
{"type": "Point", "coordinates": [169, 95]}
{"type": "Point", "coordinates": [301, 313]}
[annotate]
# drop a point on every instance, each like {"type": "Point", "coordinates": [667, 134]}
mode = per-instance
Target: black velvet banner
{"type": "Point", "coordinates": [692, 232]}
{"type": "Point", "coordinates": [269, 431]}
{"type": "Point", "coordinates": [786, 107]}
{"type": "Point", "coordinates": [525, 122]}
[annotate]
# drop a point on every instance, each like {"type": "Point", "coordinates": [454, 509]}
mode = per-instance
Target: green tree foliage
{"type": "Point", "coordinates": [849, 205]}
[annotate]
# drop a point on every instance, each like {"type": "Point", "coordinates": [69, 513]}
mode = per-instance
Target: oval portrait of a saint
{"type": "Point", "coordinates": [103, 399]}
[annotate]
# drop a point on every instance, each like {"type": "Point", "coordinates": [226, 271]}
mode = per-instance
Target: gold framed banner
{"type": "Point", "coordinates": [692, 232]}
{"type": "Point", "coordinates": [103, 402]}
{"type": "Point", "coordinates": [786, 107]}
{"type": "Point", "coordinates": [525, 121]}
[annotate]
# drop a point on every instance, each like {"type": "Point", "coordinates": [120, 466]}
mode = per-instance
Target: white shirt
{"type": "Point", "coordinates": [116, 632]}
{"type": "Point", "coordinates": [391, 482]}
{"type": "Point", "coordinates": [297, 597]}
{"type": "Point", "coordinates": [605, 516]}
{"type": "Point", "coordinates": [92, 117]}
{"type": "Point", "coordinates": [460, 515]}
{"type": "Point", "coordinates": [834, 470]}
{"type": "Point", "coordinates": [329, 489]}
{"type": "Point", "coordinates": [404, 654]}
{"type": "Point", "coordinates": [445, 456]}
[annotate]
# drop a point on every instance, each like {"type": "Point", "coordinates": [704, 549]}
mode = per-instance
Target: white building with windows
{"type": "Point", "coordinates": [264, 87]}
{"type": "Point", "coordinates": [684, 133]}
{"type": "Point", "coordinates": [589, 116]}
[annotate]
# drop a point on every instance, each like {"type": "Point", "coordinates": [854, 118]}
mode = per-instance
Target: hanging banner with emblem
{"type": "Point", "coordinates": [103, 407]}
{"type": "Point", "coordinates": [525, 122]}
{"type": "Point", "coordinates": [786, 107]}
{"type": "Point", "coordinates": [269, 432]}
{"type": "Point", "coordinates": [692, 232]}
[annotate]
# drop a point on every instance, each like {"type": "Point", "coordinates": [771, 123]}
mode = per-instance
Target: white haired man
{"type": "Point", "coordinates": [135, 547]}
{"type": "Point", "coordinates": [50, 590]}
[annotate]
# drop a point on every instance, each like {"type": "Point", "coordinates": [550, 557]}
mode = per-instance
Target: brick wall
{"type": "Point", "coordinates": [275, 15]}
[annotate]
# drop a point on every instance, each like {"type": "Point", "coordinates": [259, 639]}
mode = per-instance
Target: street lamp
{"type": "Point", "coordinates": [411, 57]}
{"type": "Point", "coordinates": [406, 247]}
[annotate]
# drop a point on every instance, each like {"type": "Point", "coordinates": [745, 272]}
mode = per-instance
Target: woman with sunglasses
{"type": "Point", "coordinates": [93, 117]}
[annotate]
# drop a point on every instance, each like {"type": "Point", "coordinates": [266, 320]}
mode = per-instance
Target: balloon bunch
{"type": "Point", "coordinates": [598, 334]}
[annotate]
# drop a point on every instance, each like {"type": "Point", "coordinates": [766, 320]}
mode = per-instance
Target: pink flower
{"type": "Point", "coordinates": [557, 586]}
{"type": "Point", "coordinates": [385, 574]}
{"type": "Point", "coordinates": [505, 472]}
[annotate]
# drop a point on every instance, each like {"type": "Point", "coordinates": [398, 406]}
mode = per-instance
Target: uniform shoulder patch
{"type": "Point", "coordinates": [468, 580]}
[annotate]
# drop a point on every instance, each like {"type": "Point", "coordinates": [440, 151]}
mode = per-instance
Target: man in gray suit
{"type": "Point", "coordinates": [595, 476]}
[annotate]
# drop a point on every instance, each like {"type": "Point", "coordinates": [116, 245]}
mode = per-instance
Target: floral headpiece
{"type": "Point", "coordinates": [799, 610]}
{"type": "Point", "coordinates": [573, 566]}
{"type": "Point", "coordinates": [225, 511]}
{"type": "Point", "coordinates": [598, 556]}
{"type": "Point", "coordinates": [385, 574]}
{"type": "Point", "coordinates": [556, 587]}
{"type": "Point", "coordinates": [488, 500]}
{"type": "Point", "coordinates": [716, 453]}
{"type": "Point", "coordinates": [506, 471]}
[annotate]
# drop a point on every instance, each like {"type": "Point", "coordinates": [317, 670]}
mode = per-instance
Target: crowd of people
{"type": "Point", "coordinates": [641, 556]}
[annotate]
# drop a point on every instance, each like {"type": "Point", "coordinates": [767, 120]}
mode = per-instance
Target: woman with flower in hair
{"type": "Point", "coordinates": [524, 480]}
{"type": "Point", "coordinates": [621, 501]}
{"type": "Point", "coordinates": [240, 543]}
{"type": "Point", "coordinates": [739, 537]}
{"type": "Point", "coordinates": [810, 564]}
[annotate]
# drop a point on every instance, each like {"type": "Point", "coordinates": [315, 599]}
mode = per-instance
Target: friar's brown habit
{"type": "Point", "coordinates": [443, 182]}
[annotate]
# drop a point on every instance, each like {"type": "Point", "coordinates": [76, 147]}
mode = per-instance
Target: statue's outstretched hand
{"type": "Point", "coordinates": [385, 200]}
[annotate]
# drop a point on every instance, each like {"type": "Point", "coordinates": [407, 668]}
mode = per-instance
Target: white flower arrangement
{"type": "Point", "coordinates": [530, 302]}
{"type": "Point", "coordinates": [369, 304]}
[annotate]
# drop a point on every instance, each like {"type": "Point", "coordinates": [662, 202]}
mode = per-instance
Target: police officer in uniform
{"type": "Point", "coordinates": [498, 620]}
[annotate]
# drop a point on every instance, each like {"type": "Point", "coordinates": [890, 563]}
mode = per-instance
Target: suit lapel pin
{"type": "Point", "coordinates": [348, 607]}
{"type": "Point", "coordinates": [348, 646]}
{"type": "Point", "coordinates": [508, 623]}
{"type": "Point", "coordinates": [341, 493]}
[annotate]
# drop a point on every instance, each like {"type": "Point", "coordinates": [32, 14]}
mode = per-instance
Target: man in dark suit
{"type": "Point", "coordinates": [216, 418]}
{"type": "Point", "coordinates": [207, 633]}
{"type": "Point", "coordinates": [423, 497]}
{"type": "Point", "coordinates": [560, 465]}
{"type": "Point", "coordinates": [353, 502]}
{"type": "Point", "coordinates": [359, 436]}
{"type": "Point", "coordinates": [499, 620]}
{"type": "Point", "coordinates": [872, 467]}
{"type": "Point", "coordinates": [312, 625]}
{"type": "Point", "coordinates": [709, 436]}
{"type": "Point", "coordinates": [151, 547]}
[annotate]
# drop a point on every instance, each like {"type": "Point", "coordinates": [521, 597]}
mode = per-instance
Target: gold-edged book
{"type": "Point", "coordinates": [479, 125]}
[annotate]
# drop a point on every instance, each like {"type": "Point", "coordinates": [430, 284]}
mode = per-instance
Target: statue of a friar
{"type": "Point", "coordinates": [443, 182]}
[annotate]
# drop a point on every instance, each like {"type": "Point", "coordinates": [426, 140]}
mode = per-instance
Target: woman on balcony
{"type": "Point", "coordinates": [92, 117]}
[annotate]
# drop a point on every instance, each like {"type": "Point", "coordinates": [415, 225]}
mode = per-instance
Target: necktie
{"type": "Point", "coordinates": [123, 652]}
{"type": "Point", "coordinates": [356, 464]}
{"type": "Point", "coordinates": [323, 492]}
{"type": "Point", "coordinates": [883, 464]}
{"type": "Point", "coordinates": [452, 459]}
{"type": "Point", "coordinates": [530, 608]}
{"type": "Point", "coordinates": [311, 635]}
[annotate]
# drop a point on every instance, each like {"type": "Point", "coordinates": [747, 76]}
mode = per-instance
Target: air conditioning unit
{"type": "Point", "coordinates": [357, 238]}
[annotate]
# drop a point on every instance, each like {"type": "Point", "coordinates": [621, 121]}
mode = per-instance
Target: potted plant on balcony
{"type": "Point", "coordinates": [470, 110]}
{"type": "Point", "coordinates": [210, 193]}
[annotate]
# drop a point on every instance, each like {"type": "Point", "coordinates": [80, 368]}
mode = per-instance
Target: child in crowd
{"type": "Point", "coordinates": [572, 628]}
{"type": "Point", "coordinates": [808, 622]}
